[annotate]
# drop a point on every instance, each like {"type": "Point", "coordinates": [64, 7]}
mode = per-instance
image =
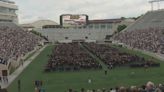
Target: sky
{"type": "Point", "coordinates": [32, 10]}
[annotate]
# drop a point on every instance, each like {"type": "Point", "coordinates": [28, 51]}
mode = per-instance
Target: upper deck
{"type": "Point", "coordinates": [8, 4]}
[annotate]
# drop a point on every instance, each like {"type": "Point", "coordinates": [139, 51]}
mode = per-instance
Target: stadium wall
{"type": "Point", "coordinates": [2, 67]}
{"type": "Point", "coordinates": [57, 35]}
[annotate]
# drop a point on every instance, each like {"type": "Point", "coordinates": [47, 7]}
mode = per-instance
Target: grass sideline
{"type": "Point", "coordinates": [61, 81]}
{"type": "Point", "coordinates": [13, 68]}
{"type": "Point", "coordinates": [30, 55]}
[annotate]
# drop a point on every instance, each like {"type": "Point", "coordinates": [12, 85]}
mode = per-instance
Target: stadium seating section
{"type": "Point", "coordinates": [146, 34]}
{"type": "Point", "coordinates": [153, 19]}
{"type": "Point", "coordinates": [151, 39]}
{"type": "Point", "coordinates": [15, 42]}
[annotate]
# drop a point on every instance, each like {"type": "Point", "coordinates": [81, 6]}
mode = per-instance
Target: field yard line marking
{"type": "Point", "coordinates": [17, 72]}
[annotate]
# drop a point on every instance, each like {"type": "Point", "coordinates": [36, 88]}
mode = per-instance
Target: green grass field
{"type": "Point", "coordinates": [61, 81]}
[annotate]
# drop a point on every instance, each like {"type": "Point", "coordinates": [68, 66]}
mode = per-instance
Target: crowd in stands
{"type": "Point", "coordinates": [151, 39]}
{"type": "Point", "coordinates": [148, 87]}
{"type": "Point", "coordinates": [15, 42]}
{"type": "Point", "coordinates": [70, 57]}
{"type": "Point", "coordinates": [114, 57]}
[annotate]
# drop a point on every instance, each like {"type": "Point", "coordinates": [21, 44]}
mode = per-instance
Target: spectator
{"type": "Point", "coordinates": [151, 39]}
{"type": "Point", "coordinates": [15, 42]}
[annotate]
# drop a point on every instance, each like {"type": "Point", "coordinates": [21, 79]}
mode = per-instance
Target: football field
{"type": "Point", "coordinates": [62, 81]}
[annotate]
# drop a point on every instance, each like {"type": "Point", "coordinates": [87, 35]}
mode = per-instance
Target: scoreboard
{"type": "Point", "coordinates": [69, 20]}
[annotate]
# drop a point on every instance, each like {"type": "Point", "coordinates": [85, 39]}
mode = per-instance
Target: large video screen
{"type": "Point", "coordinates": [74, 20]}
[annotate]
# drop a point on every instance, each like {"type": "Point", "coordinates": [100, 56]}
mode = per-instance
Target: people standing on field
{"type": "Point", "coordinates": [89, 81]}
{"type": "Point", "coordinates": [146, 67]}
{"type": "Point", "coordinates": [106, 72]}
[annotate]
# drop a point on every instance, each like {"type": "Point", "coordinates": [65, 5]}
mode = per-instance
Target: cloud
{"type": "Point", "coordinates": [31, 10]}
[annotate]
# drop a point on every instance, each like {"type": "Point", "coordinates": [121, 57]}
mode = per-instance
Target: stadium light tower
{"type": "Point", "coordinates": [155, 1]}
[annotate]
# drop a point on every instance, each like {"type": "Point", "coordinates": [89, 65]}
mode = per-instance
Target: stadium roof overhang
{"type": "Point", "coordinates": [105, 21]}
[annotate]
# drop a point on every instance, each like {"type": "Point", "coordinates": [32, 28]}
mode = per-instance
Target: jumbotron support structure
{"type": "Point", "coordinates": [155, 1]}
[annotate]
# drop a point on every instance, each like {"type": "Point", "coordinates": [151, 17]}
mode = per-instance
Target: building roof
{"type": "Point", "coordinates": [44, 22]}
{"type": "Point", "coordinates": [27, 26]}
{"type": "Point", "coordinates": [105, 21]}
{"type": "Point", "coordinates": [73, 14]}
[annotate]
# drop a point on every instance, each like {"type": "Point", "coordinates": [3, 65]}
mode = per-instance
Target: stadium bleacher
{"type": "Point", "coordinates": [78, 54]}
{"type": "Point", "coordinates": [151, 39]}
{"type": "Point", "coordinates": [152, 19]}
{"type": "Point", "coordinates": [15, 42]}
{"type": "Point", "coordinates": [146, 34]}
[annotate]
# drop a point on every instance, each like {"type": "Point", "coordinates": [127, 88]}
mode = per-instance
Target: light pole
{"type": "Point", "coordinates": [155, 1]}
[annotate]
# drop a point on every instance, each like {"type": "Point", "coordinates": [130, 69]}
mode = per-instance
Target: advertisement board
{"type": "Point", "coordinates": [73, 20]}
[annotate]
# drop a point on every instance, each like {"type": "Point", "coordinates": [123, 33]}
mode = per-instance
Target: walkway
{"type": "Point", "coordinates": [95, 57]}
{"type": "Point", "coordinates": [14, 75]}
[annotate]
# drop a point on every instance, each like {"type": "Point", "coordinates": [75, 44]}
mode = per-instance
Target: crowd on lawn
{"type": "Point", "coordinates": [148, 87]}
{"type": "Point", "coordinates": [70, 56]}
{"type": "Point", "coordinates": [114, 57]}
{"type": "Point", "coordinates": [15, 42]}
{"type": "Point", "coordinates": [150, 39]}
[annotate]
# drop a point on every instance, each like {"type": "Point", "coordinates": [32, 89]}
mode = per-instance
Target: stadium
{"type": "Point", "coordinates": [81, 54]}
